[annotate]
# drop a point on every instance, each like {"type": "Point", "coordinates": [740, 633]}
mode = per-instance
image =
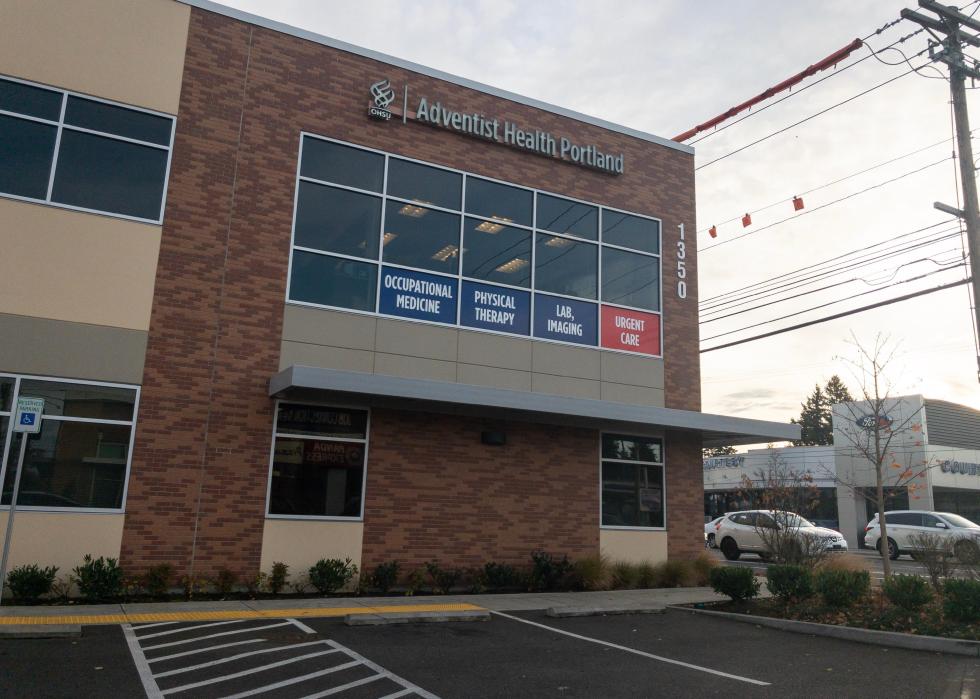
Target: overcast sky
{"type": "Point", "coordinates": [664, 67]}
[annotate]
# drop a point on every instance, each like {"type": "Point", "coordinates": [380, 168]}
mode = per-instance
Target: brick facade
{"type": "Point", "coordinates": [200, 467]}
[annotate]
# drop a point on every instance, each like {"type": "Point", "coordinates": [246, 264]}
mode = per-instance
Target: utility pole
{"type": "Point", "coordinates": [947, 29]}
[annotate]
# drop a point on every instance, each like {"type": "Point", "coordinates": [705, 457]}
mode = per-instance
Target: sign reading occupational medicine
{"type": "Point", "coordinates": [418, 295]}
{"type": "Point", "coordinates": [28, 415]}
{"type": "Point", "coordinates": [495, 308]}
{"type": "Point", "coordinates": [565, 319]}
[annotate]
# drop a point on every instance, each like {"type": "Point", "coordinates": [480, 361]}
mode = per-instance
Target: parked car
{"type": "Point", "coordinates": [709, 532]}
{"type": "Point", "coordinates": [740, 532]}
{"type": "Point", "coordinates": [904, 526]}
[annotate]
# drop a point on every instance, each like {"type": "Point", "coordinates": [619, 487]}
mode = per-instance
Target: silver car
{"type": "Point", "coordinates": [909, 529]}
{"type": "Point", "coordinates": [742, 532]}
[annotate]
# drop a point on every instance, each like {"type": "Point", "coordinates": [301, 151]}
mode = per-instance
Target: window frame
{"type": "Point", "coordinates": [663, 472]}
{"type": "Point", "coordinates": [60, 125]}
{"type": "Point", "coordinates": [5, 453]}
{"type": "Point", "coordinates": [349, 440]}
{"type": "Point", "coordinates": [458, 278]}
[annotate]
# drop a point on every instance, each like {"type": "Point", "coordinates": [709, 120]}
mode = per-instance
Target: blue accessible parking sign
{"type": "Point", "coordinates": [28, 415]}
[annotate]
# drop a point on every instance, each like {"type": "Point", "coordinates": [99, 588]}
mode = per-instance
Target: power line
{"type": "Point", "coordinates": [843, 314]}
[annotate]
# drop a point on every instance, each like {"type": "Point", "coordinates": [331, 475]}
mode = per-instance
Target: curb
{"type": "Point", "coordinates": [890, 639]}
{"type": "Point", "coordinates": [566, 612]}
{"type": "Point", "coordinates": [415, 618]}
{"type": "Point", "coordinates": [8, 631]}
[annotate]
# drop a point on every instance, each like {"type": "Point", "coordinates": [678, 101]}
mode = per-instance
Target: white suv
{"type": "Point", "coordinates": [741, 532]}
{"type": "Point", "coordinates": [905, 525]}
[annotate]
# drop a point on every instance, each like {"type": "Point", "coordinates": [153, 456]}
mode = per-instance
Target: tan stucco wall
{"type": "Point", "coordinates": [131, 51]}
{"type": "Point", "coordinates": [633, 546]}
{"type": "Point", "coordinates": [78, 267]}
{"type": "Point", "coordinates": [301, 543]}
{"type": "Point", "coordinates": [61, 538]}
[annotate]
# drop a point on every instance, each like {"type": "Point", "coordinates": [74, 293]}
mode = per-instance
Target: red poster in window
{"type": "Point", "coordinates": [634, 331]}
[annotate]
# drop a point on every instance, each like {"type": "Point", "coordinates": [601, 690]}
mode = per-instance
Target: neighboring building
{"type": "Point", "coordinates": [287, 298]}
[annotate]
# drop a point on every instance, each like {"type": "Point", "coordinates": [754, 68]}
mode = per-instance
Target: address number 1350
{"type": "Point", "coordinates": [681, 264]}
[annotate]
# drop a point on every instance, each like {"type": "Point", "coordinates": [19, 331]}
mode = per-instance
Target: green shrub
{"type": "Point", "coordinates": [842, 588]}
{"type": "Point", "coordinates": [330, 574]}
{"type": "Point", "coordinates": [910, 592]}
{"type": "Point", "coordinates": [548, 572]}
{"type": "Point", "coordinates": [624, 576]}
{"type": "Point", "coordinates": [789, 583]}
{"type": "Point", "coordinates": [278, 577]}
{"type": "Point", "coordinates": [385, 576]}
{"type": "Point", "coordinates": [99, 578]}
{"type": "Point", "coordinates": [443, 580]}
{"type": "Point", "coordinates": [501, 576]}
{"type": "Point", "coordinates": [674, 573]}
{"type": "Point", "coordinates": [156, 580]}
{"type": "Point", "coordinates": [647, 575]}
{"type": "Point", "coordinates": [961, 599]}
{"type": "Point", "coordinates": [701, 569]}
{"type": "Point", "coordinates": [224, 582]}
{"type": "Point", "coordinates": [29, 583]}
{"type": "Point", "coordinates": [414, 582]}
{"type": "Point", "coordinates": [738, 583]}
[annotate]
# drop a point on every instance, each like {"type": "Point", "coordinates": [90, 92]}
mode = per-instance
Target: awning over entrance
{"type": "Point", "coordinates": [312, 383]}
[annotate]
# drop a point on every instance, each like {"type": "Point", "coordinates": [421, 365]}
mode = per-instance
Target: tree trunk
{"type": "Point", "coordinates": [886, 563]}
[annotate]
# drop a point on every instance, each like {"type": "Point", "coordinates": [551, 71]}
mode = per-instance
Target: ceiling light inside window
{"type": "Point", "coordinates": [488, 227]}
{"type": "Point", "coordinates": [446, 253]}
{"type": "Point", "coordinates": [413, 211]}
{"type": "Point", "coordinates": [495, 217]}
{"type": "Point", "coordinates": [389, 237]}
{"type": "Point", "coordinates": [512, 266]}
{"type": "Point", "coordinates": [558, 242]}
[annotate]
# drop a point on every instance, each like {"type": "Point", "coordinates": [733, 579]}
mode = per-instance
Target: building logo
{"type": "Point", "coordinates": [867, 422]}
{"type": "Point", "coordinates": [383, 95]}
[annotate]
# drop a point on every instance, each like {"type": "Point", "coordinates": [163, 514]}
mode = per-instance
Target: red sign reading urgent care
{"type": "Point", "coordinates": [633, 331]}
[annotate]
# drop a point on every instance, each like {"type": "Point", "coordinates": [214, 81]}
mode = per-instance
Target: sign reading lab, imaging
{"type": "Point", "coordinates": [565, 319]}
{"type": "Point", "coordinates": [495, 308]}
{"type": "Point", "coordinates": [634, 331]}
{"type": "Point", "coordinates": [28, 415]}
{"type": "Point", "coordinates": [418, 295]}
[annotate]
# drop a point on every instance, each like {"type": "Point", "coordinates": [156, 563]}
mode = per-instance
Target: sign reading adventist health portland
{"type": "Point", "coordinates": [492, 129]}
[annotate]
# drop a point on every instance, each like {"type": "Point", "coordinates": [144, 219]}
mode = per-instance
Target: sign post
{"type": "Point", "coordinates": [27, 421]}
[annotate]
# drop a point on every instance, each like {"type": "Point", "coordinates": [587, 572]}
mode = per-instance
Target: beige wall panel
{"type": "Point", "coordinates": [301, 543]}
{"type": "Point", "coordinates": [62, 538]}
{"type": "Point", "coordinates": [75, 350]}
{"type": "Point", "coordinates": [564, 386]}
{"type": "Point", "coordinates": [563, 360]}
{"type": "Point", "coordinates": [319, 326]}
{"type": "Point", "coordinates": [635, 395]}
{"type": "Point", "coordinates": [414, 367]}
{"type": "Point", "coordinates": [416, 340]}
{"type": "Point", "coordinates": [130, 51]}
{"type": "Point", "coordinates": [74, 266]}
{"type": "Point", "coordinates": [632, 369]}
{"type": "Point", "coordinates": [494, 350]}
{"type": "Point", "coordinates": [493, 376]}
{"type": "Point", "coordinates": [327, 357]}
{"type": "Point", "coordinates": [633, 546]}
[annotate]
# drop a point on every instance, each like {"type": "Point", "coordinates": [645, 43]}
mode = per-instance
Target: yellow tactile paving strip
{"type": "Point", "coordinates": [147, 617]}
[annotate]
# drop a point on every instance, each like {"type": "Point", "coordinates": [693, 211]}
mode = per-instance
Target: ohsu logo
{"type": "Point", "coordinates": [868, 422]}
{"type": "Point", "coordinates": [383, 95]}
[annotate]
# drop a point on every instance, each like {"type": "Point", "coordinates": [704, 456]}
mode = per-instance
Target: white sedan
{"type": "Point", "coordinates": [709, 532]}
{"type": "Point", "coordinates": [742, 532]}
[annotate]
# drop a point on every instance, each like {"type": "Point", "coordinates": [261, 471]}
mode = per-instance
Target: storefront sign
{"type": "Point", "coordinates": [418, 295]}
{"type": "Point", "coordinates": [634, 331]}
{"type": "Point", "coordinates": [495, 308]}
{"type": "Point", "coordinates": [867, 422]}
{"type": "Point", "coordinates": [962, 467]}
{"type": "Point", "coordinates": [713, 462]}
{"type": "Point", "coordinates": [564, 319]}
{"type": "Point", "coordinates": [383, 96]}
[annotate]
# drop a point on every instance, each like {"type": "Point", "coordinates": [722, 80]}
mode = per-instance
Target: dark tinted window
{"type": "Point", "coordinates": [632, 495]}
{"type": "Point", "coordinates": [333, 162]}
{"type": "Point", "coordinates": [630, 231]}
{"type": "Point", "coordinates": [298, 418]}
{"type": "Point", "coordinates": [426, 185]}
{"type": "Point", "coordinates": [333, 281]}
{"type": "Point", "coordinates": [109, 118]}
{"type": "Point", "coordinates": [26, 149]}
{"type": "Point", "coordinates": [563, 266]}
{"type": "Point", "coordinates": [564, 216]}
{"type": "Point", "coordinates": [81, 400]}
{"type": "Point", "coordinates": [100, 173]}
{"type": "Point", "coordinates": [498, 201]}
{"type": "Point", "coordinates": [316, 478]}
{"type": "Point", "coordinates": [630, 279]}
{"type": "Point", "coordinates": [6, 393]}
{"type": "Point", "coordinates": [27, 99]}
{"type": "Point", "coordinates": [615, 446]}
{"type": "Point", "coordinates": [930, 520]}
{"type": "Point", "coordinates": [338, 220]}
{"type": "Point", "coordinates": [418, 237]}
{"type": "Point", "coordinates": [912, 519]}
{"type": "Point", "coordinates": [497, 253]}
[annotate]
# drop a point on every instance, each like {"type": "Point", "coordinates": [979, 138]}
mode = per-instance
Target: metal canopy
{"type": "Point", "coordinates": [312, 383]}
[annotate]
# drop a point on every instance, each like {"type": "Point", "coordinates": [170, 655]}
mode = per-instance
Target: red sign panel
{"type": "Point", "coordinates": [633, 331]}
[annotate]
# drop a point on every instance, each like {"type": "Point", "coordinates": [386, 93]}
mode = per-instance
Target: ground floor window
{"type": "Point", "coordinates": [318, 461]}
{"type": "Point", "coordinates": [632, 481]}
{"type": "Point", "coordinates": [820, 504]}
{"type": "Point", "coordinates": [965, 503]}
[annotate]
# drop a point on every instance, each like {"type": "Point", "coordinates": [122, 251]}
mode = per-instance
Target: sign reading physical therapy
{"type": "Point", "coordinates": [495, 308]}
{"type": "Point", "coordinates": [493, 129]}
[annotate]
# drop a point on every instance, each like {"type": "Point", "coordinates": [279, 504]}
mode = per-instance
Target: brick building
{"type": "Point", "coordinates": [287, 298]}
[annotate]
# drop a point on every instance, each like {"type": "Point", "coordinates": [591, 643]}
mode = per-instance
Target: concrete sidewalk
{"type": "Point", "coordinates": [343, 606]}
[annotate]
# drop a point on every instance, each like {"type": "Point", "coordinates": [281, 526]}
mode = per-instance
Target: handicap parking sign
{"type": "Point", "coordinates": [28, 415]}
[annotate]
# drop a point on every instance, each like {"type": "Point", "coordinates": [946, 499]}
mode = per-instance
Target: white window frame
{"type": "Point", "coordinates": [347, 440]}
{"type": "Point", "coordinates": [663, 471]}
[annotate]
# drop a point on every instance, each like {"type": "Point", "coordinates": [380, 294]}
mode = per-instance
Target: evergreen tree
{"type": "Point", "coordinates": [814, 420]}
{"type": "Point", "coordinates": [718, 451]}
{"type": "Point", "coordinates": [836, 391]}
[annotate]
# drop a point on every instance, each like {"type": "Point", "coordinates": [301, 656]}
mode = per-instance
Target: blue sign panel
{"type": "Point", "coordinates": [418, 295]}
{"type": "Point", "coordinates": [567, 320]}
{"type": "Point", "coordinates": [495, 308]}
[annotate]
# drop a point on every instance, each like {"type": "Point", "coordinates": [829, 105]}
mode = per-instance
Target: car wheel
{"type": "Point", "coordinates": [967, 552]}
{"type": "Point", "coordinates": [893, 552]}
{"type": "Point", "coordinates": [711, 541]}
{"type": "Point", "coordinates": [730, 549]}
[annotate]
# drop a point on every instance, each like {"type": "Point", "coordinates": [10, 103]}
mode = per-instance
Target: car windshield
{"type": "Point", "coordinates": [792, 521]}
{"type": "Point", "coordinates": [958, 521]}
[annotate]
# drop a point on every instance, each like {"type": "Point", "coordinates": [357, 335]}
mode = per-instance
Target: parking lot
{"type": "Point", "coordinates": [515, 655]}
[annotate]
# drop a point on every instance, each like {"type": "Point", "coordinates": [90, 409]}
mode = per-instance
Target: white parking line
{"type": "Point", "coordinates": [142, 667]}
{"type": "Point", "coordinates": [232, 658]}
{"type": "Point", "coordinates": [345, 687]}
{"type": "Point", "coordinates": [189, 628]}
{"type": "Point", "coordinates": [214, 635]}
{"type": "Point", "coordinates": [644, 654]}
{"type": "Point", "coordinates": [140, 627]}
{"type": "Point", "coordinates": [204, 650]}
{"type": "Point", "coordinates": [292, 680]}
{"type": "Point", "coordinates": [380, 670]}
